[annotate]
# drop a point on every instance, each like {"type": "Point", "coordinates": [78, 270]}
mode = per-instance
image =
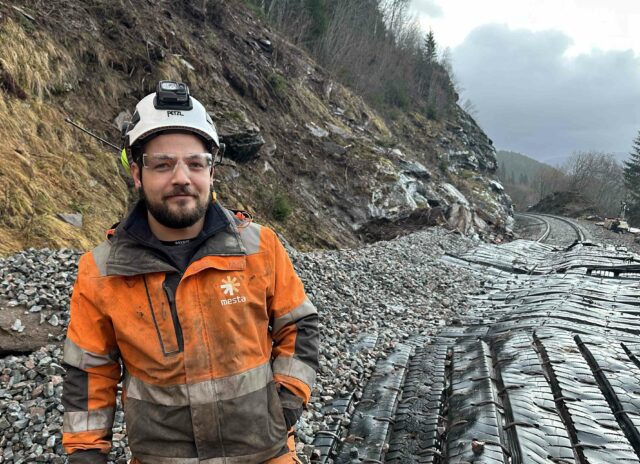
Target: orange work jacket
{"type": "Point", "coordinates": [200, 363]}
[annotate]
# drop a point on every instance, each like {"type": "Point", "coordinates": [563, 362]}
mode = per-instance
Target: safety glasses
{"type": "Point", "coordinates": [165, 163]}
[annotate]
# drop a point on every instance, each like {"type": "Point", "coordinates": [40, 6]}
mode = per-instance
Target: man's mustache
{"type": "Point", "coordinates": [181, 191]}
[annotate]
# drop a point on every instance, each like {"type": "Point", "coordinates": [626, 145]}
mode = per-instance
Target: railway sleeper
{"type": "Point", "coordinates": [373, 418]}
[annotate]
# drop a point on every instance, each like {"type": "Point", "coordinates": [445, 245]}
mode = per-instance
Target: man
{"type": "Point", "coordinates": [197, 309]}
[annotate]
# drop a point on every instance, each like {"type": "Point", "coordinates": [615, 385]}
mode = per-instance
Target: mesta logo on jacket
{"type": "Point", "coordinates": [230, 285]}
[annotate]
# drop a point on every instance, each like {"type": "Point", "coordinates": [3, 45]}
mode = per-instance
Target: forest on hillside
{"type": "Point", "coordinates": [375, 47]}
{"type": "Point", "coordinates": [525, 179]}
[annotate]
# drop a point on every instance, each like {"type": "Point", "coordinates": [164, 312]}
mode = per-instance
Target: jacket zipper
{"type": "Point", "coordinates": [171, 296]}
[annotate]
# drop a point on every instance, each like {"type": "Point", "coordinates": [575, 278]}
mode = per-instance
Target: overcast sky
{"type": "Point", "coordinates": [547, 77]}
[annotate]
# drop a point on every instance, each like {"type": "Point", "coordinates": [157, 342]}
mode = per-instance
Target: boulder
{"type": "Point", "coordinates": [338, 131]}
{"type": "Point", "coordinates": [265, 44]}
{"type": "Point", "coordinates": [316, 131]}
{"type": "Point", "coordinates": [75, 219]}
{"type": "Point", "coordinates": [393, 200]}
{"type": "Point", "coordinates": [460, 218]}
{"type": "Point", "coordinates": [332, 148]}
{"type": "Point", "coordinates": [453, 194]}
{"type": "Point", "coordinates": [464, 159]}
{"type": "Point", "coordinates": [415, 169]}
{"type": "Point", "coordinates": [243, 146]}
{"type": "Point", "coordinates": [123, 116]}
{"type": "Point", "coordinates": [496, 186]}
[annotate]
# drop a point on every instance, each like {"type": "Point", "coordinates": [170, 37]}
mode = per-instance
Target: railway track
{"type": "Point", "coordinates": [545, 369]}
{"type": "Point", "coordinates": [556, 230]}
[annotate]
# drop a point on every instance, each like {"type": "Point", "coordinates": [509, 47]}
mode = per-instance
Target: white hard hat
{"type": "Point", "coordinates": [169, 108]}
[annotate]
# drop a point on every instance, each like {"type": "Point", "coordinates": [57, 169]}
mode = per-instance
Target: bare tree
{"type": "Point", "coordinates": [549, 180]}
{"type": "Point", "coordinates": [374, 46]}
{"type": "Point", "coordinates": [470, 108]}
{"type": "Point", "coordinates": [285, 15]}
{"type": "Point", "coordinates": [599, 177]}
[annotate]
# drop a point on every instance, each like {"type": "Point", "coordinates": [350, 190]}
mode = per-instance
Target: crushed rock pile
{"type": "Point", "coordinates": [392, 290]}
{"type": "Point", "coordinates": [40, 281]}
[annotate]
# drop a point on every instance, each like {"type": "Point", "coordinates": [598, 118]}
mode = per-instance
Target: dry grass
{"type": "Point", "coordinates": [44, 174]}
{"type": "Point", "coordinates": [307, 101]}
{"type": "Point", "coordinates": [34, 62]}
{"type": "Point", "coordinates": [45, 167]}
{"type": "Point", "coordinates": [177, 68]}
{"type": "Point", "coordinates": [91, 60]}
{"type": "Point", "coordinates": [353, 104]}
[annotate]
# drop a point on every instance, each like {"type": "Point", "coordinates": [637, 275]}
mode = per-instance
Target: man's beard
{"type": "Point", "coordinates": [176, 219]}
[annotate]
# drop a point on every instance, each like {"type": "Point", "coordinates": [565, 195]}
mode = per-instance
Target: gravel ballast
{"type": "Point", "coordinates": [601, 235]}
{"type": "Point", "coordinates": [392, 290]}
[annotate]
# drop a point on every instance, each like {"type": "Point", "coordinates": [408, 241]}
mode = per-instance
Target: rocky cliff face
{"type": "Point", "coordinates": [305, 156]}
{"type": "Point", "coordinates": [441, 173]}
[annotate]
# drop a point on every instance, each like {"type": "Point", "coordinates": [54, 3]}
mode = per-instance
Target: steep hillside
{"type": "Point", "coordinates": [311, 159]}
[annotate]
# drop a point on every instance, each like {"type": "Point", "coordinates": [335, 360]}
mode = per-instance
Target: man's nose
{"type": "Point", "coordinates": [181, 174]}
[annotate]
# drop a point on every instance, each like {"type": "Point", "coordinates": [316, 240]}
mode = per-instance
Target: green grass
{"type": "Point", "coordinates": [281, 208]}
{"type": "Point", "coordinates": [278, 83]}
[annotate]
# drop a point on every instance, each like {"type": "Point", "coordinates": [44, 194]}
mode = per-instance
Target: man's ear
{"type": "Point", "coordinates": [136, 174]}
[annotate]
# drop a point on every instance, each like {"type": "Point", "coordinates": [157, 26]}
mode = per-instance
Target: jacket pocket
{"type": "Point", "coordinates": [253, 422]}
{"type": "Point", "coordinates": [163, 320]}
{"type": "Point", "coordinates": [159, 430]}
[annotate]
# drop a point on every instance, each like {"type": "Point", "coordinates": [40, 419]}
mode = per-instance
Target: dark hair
{"type": "Point", "coordinates": [135, 152]}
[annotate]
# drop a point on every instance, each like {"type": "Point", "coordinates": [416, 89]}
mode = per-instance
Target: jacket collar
{"type": "Point", "coordinates": [135, 250]}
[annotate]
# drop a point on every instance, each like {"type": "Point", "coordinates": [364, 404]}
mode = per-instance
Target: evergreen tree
{"type": "Point", "coordinates": [430, 47]}
{"type": "Point", "coordinates": [317, 11]}
{"type": "Point", "coordinates": [632, 181]}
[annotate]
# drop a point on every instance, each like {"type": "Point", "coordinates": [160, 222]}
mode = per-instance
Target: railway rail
{"type": "Point", "coordinates": [545, 369]}
{"type": "Point", "coordinates": [557, 234]}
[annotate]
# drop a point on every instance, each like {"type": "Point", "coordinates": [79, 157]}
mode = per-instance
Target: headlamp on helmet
{"type": "Point", "coordinates": [169, 108]}
{"type": "Point", "coordinates": [172, 95]}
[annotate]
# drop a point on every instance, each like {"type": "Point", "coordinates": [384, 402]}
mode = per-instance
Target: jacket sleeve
{"type": "Point", "coordinates": [294, 323]}
{"type": "Point", "coordinates": [93, 372]}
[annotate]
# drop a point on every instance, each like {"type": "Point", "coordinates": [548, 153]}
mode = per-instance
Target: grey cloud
{"type": "Point", "coordinates": [532, 99]}
{"type": "Point", "coordinates": [427, 7]}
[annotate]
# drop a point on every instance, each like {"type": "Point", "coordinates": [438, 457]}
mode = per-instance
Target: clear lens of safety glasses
{"type": "Point", "coordinates": [163, 163]}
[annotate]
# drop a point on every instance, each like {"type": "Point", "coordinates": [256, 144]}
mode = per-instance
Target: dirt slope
{"type": "Point", "coordinates": [569, 204]}
{"type": "Point", "coordinates": [329, 159]}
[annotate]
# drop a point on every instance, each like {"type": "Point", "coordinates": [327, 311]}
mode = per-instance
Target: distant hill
{"type": "Point", "coordinates": [525, 179]}
{"type": "Point", "coordinates": [516, 168]}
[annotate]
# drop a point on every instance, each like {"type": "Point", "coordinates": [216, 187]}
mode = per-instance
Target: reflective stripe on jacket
{"type": "Point", "coordinates": [202, 360]}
